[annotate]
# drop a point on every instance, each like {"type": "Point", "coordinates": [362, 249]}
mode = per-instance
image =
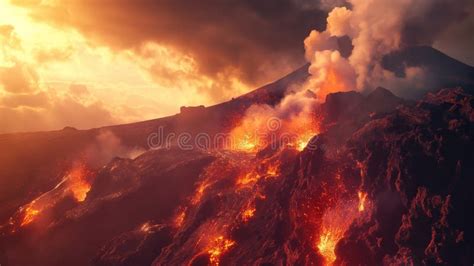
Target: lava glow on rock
{"type": "Point", "coordinates": [291, 123]}
{"type": "Point", "coordinates": [335, 222]}
{"type": "Point", "coordinates": [218, 246]}
{"type": "Point", "coordinates": [362, 197]}
{"type": "Point", "coordinates": [248, 213]}
{"type": "Point", "coordinates": [75, 183]}
{"type": "Point", "coordinates": [78, 183]}
{"type": "Point", "coordinates": [30, 214]}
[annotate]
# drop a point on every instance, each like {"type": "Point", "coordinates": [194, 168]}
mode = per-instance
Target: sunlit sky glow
{"type": "Point", "coordinates": [88, 63]}
{"type": "Point", "coordinates": [120, 85]}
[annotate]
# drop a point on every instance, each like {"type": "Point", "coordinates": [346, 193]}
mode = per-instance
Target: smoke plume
{"type": "Point", "coordinates": [376, 28]}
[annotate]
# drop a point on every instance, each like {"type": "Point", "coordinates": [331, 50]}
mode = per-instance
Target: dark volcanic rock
{"type": "Point", "coordinates": [138, 247]}
{"type": "Point", "coordinates": [442, 71]}
{"type": "Point", "coordinates": [344, 113]}
{"type": "Point", "coordinates": [417, 163]}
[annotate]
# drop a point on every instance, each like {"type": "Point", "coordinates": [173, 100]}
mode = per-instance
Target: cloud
{"type": "Point", "coordinates": [78, 90]}
{"type": "Point", "coordinates": [457, 40]}
{"type": "Point", "coordinates": [377, 28]}
{"type": "Point", "coordinates": [18, 78]}
{"type": "Point", "coordinates": [105, 147]}
{"type": "Point", "coordinates": [256, 41]}
{"type": "Point", "coordinates": [52, 54]}
{"type": "Point", "coordinates": [61, 112]}
{"type": "Point", "coordinates": [34, 100]}
{"type": "Point", "coordinates": [46, 109]}
{"type": "Point", "coordinates": [26, 104]}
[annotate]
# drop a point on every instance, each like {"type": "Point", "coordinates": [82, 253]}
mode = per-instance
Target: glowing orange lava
{"type": "Point", "coordinates": [145, 227]}
{"type": "Point", "coordinates": [304, 128]}
{"type": "Point", "coordinates": [273, 169]}
{"type": "Point", "coordinates": [279, 126]}
{"type": "Point", "coordinates": [304, 139]}
{"type": "Point", "coordinates": [327, 244]}
{"type": "Point", "coordinates": [247, 143]}
{"type": "Point", "coordinates": [200, 191]}
{"type": "Point", "coordinates": [178, 221]}
{"type": "Point", "coordinates": [219, 246]}
{"type": "Point", "coordinates": [248, 178]}
{"type": "Point", "coordinates": [362, 197]}
{"type": "Point", "coordinates": [78, 184]}
{"type": "Point", "coordinates": [244, 136]}
{"type": "Point", "coordinates": [335, 222]}
{"type": "Point", "coordinates": [29, 216]}
{"type": "Point", "coordinates": [248, 213]}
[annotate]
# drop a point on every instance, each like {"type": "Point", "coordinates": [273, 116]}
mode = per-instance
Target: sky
{"type": "Point", "coordinates": [88, 63]}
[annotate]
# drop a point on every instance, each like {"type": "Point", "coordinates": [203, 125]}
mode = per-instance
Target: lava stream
{"type": "Point", "coordinates": [219, 246]}
{"type": "Point", "coordinates": [335, 222]}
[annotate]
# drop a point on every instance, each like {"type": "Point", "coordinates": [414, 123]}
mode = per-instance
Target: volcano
{"type": "Point", "coordinates": [369, 179]}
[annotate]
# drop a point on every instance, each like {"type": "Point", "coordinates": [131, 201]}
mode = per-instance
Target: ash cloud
{"type": "Point", "coordinates": [376, 29]}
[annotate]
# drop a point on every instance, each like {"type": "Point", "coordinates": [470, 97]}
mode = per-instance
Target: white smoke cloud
{"type": "Point", "coordinates": [107, 146]}
{"type": "Point", "coordinates": [376, 28]}
{"type": "Point", "coordinates": [330, 72]}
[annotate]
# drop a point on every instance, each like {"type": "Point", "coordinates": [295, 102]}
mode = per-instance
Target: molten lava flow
{"type": "Point", "coordinates": [273, 169]}
{"type": "Point", "coordinates": [303, 128]}
{"type": "Point", "coordinates": [327, 244]}
{"type": "Point", "coordinates": [248, 213]}
{"type": "Point", "coordinates": [247, 143]}
{"type": "Point", "coordinates": [200, 191]}
{"type": "Point", "coordinates": [78, 184]}
{"type": "Point", "coordinates": [219, 246]}
{"type": "Point", "coordinates": [29, 215]}
{"type": "Point", "coordinates": [291, 123]}
{"type": "Point", "coordinates": [179, 219]}
{"type": "Point", "coordinates": [304, 139]}
{"type": "Point", "coordinates": [248, 178]}
{"type": "Point", "coordinates": [335, 222]}
{"type": "Point", "coordinates": [362, 197]}
{"type": "Point", "coordinates": [245, 136]}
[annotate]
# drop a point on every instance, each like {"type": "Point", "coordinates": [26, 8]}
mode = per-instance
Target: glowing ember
{"type": "Point", "coordinates": [200, 191]}
{"type": "Point", "coordinates": [178, 221]}
{"type": "Point", "coordinates": [219, 246]}
{"type": "Point", "coordinates": [362, 197]}
{"type": "Point", "coordinates": [30, 215]}
{"type": "Point", "coordinates": [273, 170]}
{"type": "Point", "coordinates": [327, 244]}
{"type": "Point", "coordinates": [149, 227]}
{"type": "Point", "coordinates": [247, 143]}
{"type": "Point", "coordinates": [303, 140]}
{"type": "Point", "coordinates": [248, 178]}
{"type": "Point", "coordinates": [244, 135]}
{"type": "Point", "coordinates": [145, 227]}
{"type": "Point", "coordinates": [78, 184]}
{"type": "Point", "coordinates": [248, 213]}
{"type": "Point", "coordinates": [336, 221]}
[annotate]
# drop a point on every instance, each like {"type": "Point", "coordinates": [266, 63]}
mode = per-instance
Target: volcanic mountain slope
{"type": "Point", "coordinates": [441, 70]}
{"type": "Point", "coordinates": [32, 163]}
{"type": "Point", "coordinates": [396, 193]}
{"type": "Point", "coordinates": [386, 178]}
